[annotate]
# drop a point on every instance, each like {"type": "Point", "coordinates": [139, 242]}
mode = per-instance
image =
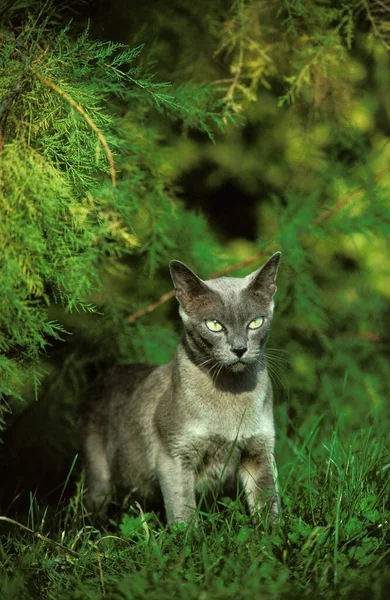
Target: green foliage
{"type": "Point", "coordinates": [133, 528]}
{"type": "Point", "coordinates": [330, 543]}
{"type": "Point", "coordinates": [63, 223]}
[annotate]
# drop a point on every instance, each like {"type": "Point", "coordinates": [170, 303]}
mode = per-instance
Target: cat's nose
{"type": "Point", "coordinates": [239, 351]}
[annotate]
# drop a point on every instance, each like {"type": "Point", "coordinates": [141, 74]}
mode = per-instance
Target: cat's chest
{"type": "Point", "coordinates": [215, 434]}
{"type": "Point", "coordinates": [225, 428]}
{"type": "Point", "coordinates": [214, 460]}
{"type": "Point", "coordinates": [213, 439]}
{"type": "Point", "coordinates": [229, 419]}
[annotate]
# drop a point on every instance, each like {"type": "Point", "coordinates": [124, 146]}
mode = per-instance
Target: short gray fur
{"type": "Point", "coordinates": [202, 420]}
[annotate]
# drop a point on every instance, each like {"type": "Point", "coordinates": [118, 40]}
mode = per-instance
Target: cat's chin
{"type": "Point", "coordinates": [238, 367]}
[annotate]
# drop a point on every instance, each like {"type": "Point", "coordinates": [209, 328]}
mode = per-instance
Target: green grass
{"type": "Point", "coordinates": [330, 542]}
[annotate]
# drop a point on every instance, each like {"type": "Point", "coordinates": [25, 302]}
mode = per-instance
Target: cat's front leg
{"type": "Point", "coordinates": [258, 476]}
{"type": "Point", "coordinates": [177, 482]}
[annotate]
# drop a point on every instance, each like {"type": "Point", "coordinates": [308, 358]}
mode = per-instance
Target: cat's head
{"type": "Point", "coordinates": [227, 320]}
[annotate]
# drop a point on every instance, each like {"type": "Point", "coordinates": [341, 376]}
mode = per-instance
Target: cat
{"type": "Point", "coordinates": [204, 419]}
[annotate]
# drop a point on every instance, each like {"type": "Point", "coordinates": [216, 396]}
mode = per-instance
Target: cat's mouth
{"type": "Point", "coordinates": [238, 365]}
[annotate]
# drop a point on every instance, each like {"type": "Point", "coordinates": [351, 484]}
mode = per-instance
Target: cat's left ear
{"type": "Point", "coordinates": [263, 280]}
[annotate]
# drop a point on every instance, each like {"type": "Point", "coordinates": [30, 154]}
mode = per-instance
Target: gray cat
{"type": "Point", "coordinates": [202, 420]}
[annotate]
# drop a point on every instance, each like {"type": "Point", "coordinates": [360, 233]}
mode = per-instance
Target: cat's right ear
{"type": "Point", "coordinates": [190, 290]}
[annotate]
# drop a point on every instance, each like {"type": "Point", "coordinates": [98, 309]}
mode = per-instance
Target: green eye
{"type": "Point", "coordinates": [256, 323]}
{"type": "Point", "coordinates": [213, 325]}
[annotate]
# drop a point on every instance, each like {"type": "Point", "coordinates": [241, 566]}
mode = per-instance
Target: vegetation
{"type": "Point", "coordinates": [331, 541]}
{"type": "Point", "coordinates": [272, 135]}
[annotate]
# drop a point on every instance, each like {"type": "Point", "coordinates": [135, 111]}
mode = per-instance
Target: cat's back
{"type": "Point", "coordinates": [114, 394]}
{"type": "Point", "coordinates": [125, 379]}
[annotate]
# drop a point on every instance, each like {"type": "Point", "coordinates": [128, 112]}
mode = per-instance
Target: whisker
{"type": "Point", "coordinates": [218, 372]}
{"type": "Point", "coordinates": [285, 357]}
{"type": "Point", "coordinates": [212, 369]}
{"type": "Point", "coordinates": [279, 350]}
{"type": "Point", "coordinates": [217, 367]}
{"type": "Point", "coordinates": [277, 361]}
{"type": "Point", "coordinates": [280, 359]}
{"type": "Point", "coordinates": [276, 366]}
{"type": "Point", "coordinates": [273, 377]}
{"type": "Point", "coordinates": [273, 353]}
{"type": "Point", "coordinates": [205, 362]}
{"type": "Point", "coordinates": [276, 376]}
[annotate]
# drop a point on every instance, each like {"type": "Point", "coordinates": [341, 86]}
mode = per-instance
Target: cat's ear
{"type": "Point", "coordinates": [190, 290]}
{"type": "Point", "coordinates": [262, 281]}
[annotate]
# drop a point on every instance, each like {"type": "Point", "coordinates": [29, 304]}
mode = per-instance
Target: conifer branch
{"type": "Point", "coordinates": [366, 336]}
{"type": "Point", "coordinates": [144, 311]}
{"type": "Point", "coordinates": [346, 199]}
{"type": "Point", "coordinates": [376, 22]}
{"type": "Point", "coordinates": [6, 101]}
{"type": "Point", "coordinates": [255, 257]}
{"type": "Point", "coordinates": [238, 68]}
{"type": "Point", "coordinates": [40, 536]}
{"type": "Point", "coordinates": [383, 5]}
{"type": "Point", "coordinates": [90, 122]}
{"type": "Point", "coordinates": [4, 110]}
